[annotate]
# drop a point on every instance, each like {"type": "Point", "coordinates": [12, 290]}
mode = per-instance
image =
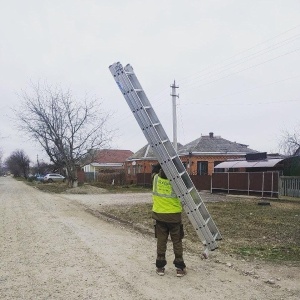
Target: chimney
{"type": "Point", "coordinates": [211, 135]}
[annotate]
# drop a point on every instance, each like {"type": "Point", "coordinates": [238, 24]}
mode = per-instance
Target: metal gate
{"type": "Point", "coordinates": [289, 186]}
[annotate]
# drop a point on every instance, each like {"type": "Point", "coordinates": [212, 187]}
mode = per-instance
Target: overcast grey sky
{"type": "Point", "coordinates": [237, 64]}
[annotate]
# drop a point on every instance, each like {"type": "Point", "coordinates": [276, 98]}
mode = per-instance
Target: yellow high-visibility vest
{"type": "Point", "coordinates": [164, 198]}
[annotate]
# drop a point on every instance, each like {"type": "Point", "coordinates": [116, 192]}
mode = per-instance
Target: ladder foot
{"type": "Point", "coordinates": [205, 254]}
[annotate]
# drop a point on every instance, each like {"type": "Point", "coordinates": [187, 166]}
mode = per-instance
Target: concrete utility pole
{"type": "Point", "coordinates": [174, 95]}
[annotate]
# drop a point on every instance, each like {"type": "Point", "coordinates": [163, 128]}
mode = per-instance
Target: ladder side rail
{"type": "Point", "coordinates": [128, 85]}
{"type": "Point", "coordinates": [183, 189]}
{"type": "Point", "coordinates": [201, 207]}
{"type": "Point", "coordinates": [146, 103]}
{"type": "Point", "coordinates": [204, 221]}
{"type": "Point", "coordinates": [134, 98]}
{"type": "Point", "coordinates": [134, 84]}
{"type": "Point", "coordinates": [209, 237]}
{"type": "Point", "coordinates": [180, 188]}
{"type": "Point", "coordinates": [134, 102]}
{"type": "Point", "coordinates": [135, 105]}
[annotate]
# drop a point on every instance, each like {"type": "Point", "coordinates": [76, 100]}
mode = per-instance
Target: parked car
{"type": "Point", "coordinates": [39, 177]}
{"type": "Point", "coordinates": [54, 177]}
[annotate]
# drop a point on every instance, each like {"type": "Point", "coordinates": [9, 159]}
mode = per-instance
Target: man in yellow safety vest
{"type": "Point", "coordinates": [166, 211]}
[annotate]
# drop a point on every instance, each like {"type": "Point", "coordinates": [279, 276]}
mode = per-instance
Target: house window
{"type": "Point", "coordinates": [140, 168]}
{"type": "Point", "coordinates": [128, 170]}
{"type": "Point", "coordinates": [202, 167]}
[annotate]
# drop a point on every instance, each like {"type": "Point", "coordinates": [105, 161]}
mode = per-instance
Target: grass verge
{"type": "Point", "coordinates": [61, 187]}
{"type": "Point", "coordinates": [250, 231]}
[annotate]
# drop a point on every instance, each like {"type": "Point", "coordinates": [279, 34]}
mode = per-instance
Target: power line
{"type": "Point", "coordinates": [245, 69]}
{"type": "Point", "coordinates": [248, 90]}
{"type": "Point", "coordinates": [243, 51]}
{"type": "Point", "coordinates": [243, 60]}
{"type": "Point", "coordinates": [242, 104]}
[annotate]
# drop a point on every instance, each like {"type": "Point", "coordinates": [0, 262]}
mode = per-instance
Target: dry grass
{"type": "Point", "coordinates": [56, 187]}
{"type": "Point", "coordinates": [248, 229]}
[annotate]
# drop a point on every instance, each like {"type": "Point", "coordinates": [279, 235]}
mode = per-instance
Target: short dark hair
{"type": "Point", "coordinates": [155, 168]}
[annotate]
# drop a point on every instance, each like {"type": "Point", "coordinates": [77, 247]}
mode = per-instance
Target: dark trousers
{"type": "Point", "coordinates": [162, 232]}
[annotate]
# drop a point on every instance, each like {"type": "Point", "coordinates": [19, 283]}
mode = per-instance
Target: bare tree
{"type": "Point", "coordinates": [290, 142]}
{"type": "Point", "coordinates": [65, 128]}
{"type": "Point", "coordinates": [18, 163]}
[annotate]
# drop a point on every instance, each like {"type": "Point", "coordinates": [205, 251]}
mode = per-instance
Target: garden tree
{"type": "Point", "coordinates": [290, 142]}
{"type": "Point", "coordinates": [18, 163]}
{"type": "Point", "coordinates": [65, 128]}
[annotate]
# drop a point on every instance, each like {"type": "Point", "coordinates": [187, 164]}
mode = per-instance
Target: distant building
{"type": "Point", "coordinates": [107, 159]}
{"type": "Point", "coordinates": [203, 154]}
{"type": "Point", "coordinates": [199, 156]}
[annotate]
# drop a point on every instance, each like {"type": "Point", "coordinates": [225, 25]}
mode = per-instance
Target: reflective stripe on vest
{"type": "Point", "coordinates": [164, 198]}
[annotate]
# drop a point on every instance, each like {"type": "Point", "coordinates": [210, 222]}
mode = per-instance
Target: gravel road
{"type": "Point", "coordinates": [51, 247]}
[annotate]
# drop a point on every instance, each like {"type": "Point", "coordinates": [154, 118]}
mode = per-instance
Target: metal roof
{"type": "Point", "coordinates": [146, 153]}
{"type": "Point", "coordinates": [235, 164]}
{"type": "Point", "coordinates": [215, 144]}
{"type": "Point", "coordinates": [94, 164]}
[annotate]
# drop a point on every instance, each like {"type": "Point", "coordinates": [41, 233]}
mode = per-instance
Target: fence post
{"type": "Point", "coordinates": [272, 186]}
{"type": "Point", "coordinates": [263, 185]}
{"type": "Point", "coordinates": [228, 183]}
{"type": "Point", "coordinates": [248, 183]}
{"type": "Point", "coordinates": [280, 187]}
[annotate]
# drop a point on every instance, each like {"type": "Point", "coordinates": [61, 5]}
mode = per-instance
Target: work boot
{"type": "Point", "coordinates": [160, 271]}
{"type": "Point", "coordinates": [180, 272]}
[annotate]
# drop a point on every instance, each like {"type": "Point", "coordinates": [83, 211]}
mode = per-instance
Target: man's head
{"type": "Point", "coordinates": [156, 168]}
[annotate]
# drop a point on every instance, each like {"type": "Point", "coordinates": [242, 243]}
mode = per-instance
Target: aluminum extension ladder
{"type": "Point", "coordinates": [166, 156]}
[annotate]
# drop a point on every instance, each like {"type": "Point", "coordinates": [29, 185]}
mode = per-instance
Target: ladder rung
{"type": "Point", "coordinates": [147, 107]}
{"type": "Point", "coordinates": [164, 141]}
{"type": "Point", "coordinates": [180, 174]}
{"type": "Point", "coordinates": [190, 189]}
{"type": "Point", "coordinates": [199, 205]}
{"type": "Point", "coordinates": [207, 220]}
{"type": "Point", "coordinates": [156, 124]}
{"type": "Point", "coordinates": [138, 90]}
{"type": "Point", "coordinates": [128, 73]}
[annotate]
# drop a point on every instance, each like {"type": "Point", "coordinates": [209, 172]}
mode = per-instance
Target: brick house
{"type": "Point", "coordinates": [199, 156]}
{"type": "Point", "coordinates": [105, 160]}
{"type": "Point", "coordinates": [203, 154]}
{"type": "Point", "coordinates": [140, 162]}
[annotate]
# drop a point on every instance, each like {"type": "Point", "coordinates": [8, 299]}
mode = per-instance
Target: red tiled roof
{"type": "Point", "coordinates": [112, 156]}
